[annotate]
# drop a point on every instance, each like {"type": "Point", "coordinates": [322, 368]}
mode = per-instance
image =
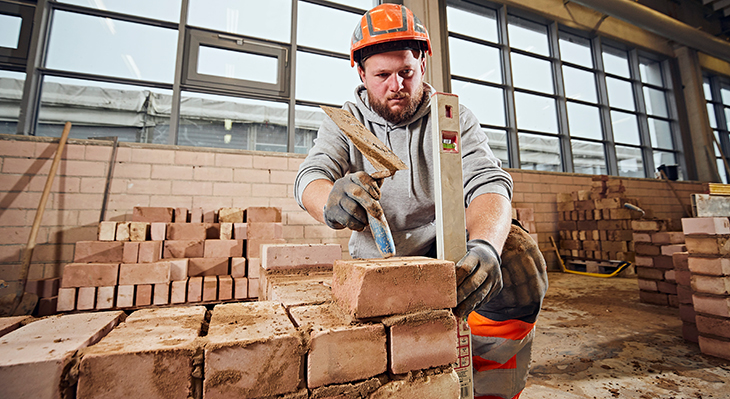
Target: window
{"type": "Point", "coordinates": [16, 22]}
{"type": "Point", "coordinates": [553, 99]}
{"type": "Point", "coordinates": [717, 95]}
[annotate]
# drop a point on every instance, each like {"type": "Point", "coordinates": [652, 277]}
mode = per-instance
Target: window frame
{"type": "Point", "coordinates": [18, 57]}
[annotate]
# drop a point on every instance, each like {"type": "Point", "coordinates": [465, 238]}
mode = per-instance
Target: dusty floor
{"type": "Point", "coordinates": [596, 340]}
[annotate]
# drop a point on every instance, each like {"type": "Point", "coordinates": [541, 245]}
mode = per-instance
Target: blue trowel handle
{"type": "Point", "coordinates": [381, 234]}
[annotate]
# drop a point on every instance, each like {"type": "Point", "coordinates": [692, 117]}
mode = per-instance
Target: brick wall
{"type": "Point", "coordinates": [159, 175]}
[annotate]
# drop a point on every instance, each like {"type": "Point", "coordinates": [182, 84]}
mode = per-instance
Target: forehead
{"type": "Point", "coordinates": [392, 60]}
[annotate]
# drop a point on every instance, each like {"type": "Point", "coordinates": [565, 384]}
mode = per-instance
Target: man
{"type": "Point", "coordinates": [333, 185]}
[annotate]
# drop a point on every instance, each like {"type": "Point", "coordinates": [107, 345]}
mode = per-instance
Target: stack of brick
{"type": "Point", "coordinates": [383, 330]}
{"type": "Point", "coordinates": [526, 217]}
{"type": "Point", "coordinates": [655, 247]}
{"type": "Point", "coordinates": [594, 224]}
{"type": "Point", "coordinates": [170, 256]}
{"type": "Point", "coordinates": [708, 244]}
{"type": "Point", "coordinates": [683, 277]}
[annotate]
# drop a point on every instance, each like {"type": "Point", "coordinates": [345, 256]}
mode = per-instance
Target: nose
{"type": "Point", "coordinates": [395, 83]}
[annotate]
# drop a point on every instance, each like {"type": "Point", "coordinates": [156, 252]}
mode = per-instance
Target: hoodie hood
{"type": "Point", "coordinates": [363, 104]}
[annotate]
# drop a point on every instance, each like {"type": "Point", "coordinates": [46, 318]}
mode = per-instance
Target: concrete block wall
{"type": "Point", "coordinates": [187, 177]}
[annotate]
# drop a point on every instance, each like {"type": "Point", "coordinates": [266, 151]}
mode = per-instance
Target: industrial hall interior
{"type": "Point", "coordinates": [365, 199]}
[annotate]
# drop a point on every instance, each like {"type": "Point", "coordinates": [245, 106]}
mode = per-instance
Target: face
{"type": "Point", "coordinates": [394, 81]}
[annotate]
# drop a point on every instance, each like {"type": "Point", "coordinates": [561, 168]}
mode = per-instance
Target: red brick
{"type": "Point", "coordinates": [225, 288]}
{"type": "Point", "coordinates": [709, 245]}
{"type": "Point", "coordinates": [680, 260]}
{"type": "Point", "coordinates": [161, 294]}
{"type": "Point", "coordinates": [210, 288]}
{"type": "Point", "coordinates": [152, 214]}
{"type": "Point", "coordinates": [195, 289]}
{"type": "Point", "coordinates": [238, 267]}
{"type": "Point", "coordinates": [183, 249]}
{"type": "Point", "coordinates": [107, 231]}
{"type": "Point", "coordinates": [139, 231]}
{"type": "Point", "coordinates": [683, 277]}
{"type": "Point", "coordinates": [253, 247]}
{"type": "Point", "coordinates": [667, 287]}
{"type": "Point", "coordinates": [262, 214]}
{"type": "Point", "coordinates": [144, 273]}
{"type": "Point", "coordinates": [709, 266]}
{"type": "Point", "coordinates": [253, 287]}
{"type": "Point", "coordinates": [333, 342]}
{"type": "Point", "coordinates": [66, 299]}
{"type": "Point", "coordinates": [230, 215]}
{"type": "Point", "coordinates": [642, 237]}
{"type": "Point", "coordinates": [264, 231]}
{"type": "Point", "coordinates": [706, 225]}
{"type": "Point", "coordinates": [684, 294]}
{"type": "Point", "coordinates": [296, 256]}
{"type": "Point", "coordinates": [381, 287]}
{"type": "Point", "coordinates": [718, 326]}
{"type": "Point", "coordinates": [46, 307]}
{"type": "Point", "coordinates": [130, 253]}
{"type": "Point", "coordinates": [671, 249]}
{"type": "Point", "coordinates": [717, 306]}
{"type": "Point", "coordinates": [715, 285]}
{"type": "Point", "coordinates": [715, 347]}
{"type": "Point", "coordinates": [668, 237]}
{"type": "Point", "coordinates": [207, 267]}
{"type": "Point", "coordinates": [158, 231]}
{"type": "Point", "coordinates": [253, 333]}
{"type": "Point", "coordinates": [409, 331]}
{"type": "Point", "coordinates": [46, 288]}
{"type": "Point", "coordinates": [649, 225]}
{"type": "Point", "coordinates": [178, 291]}
{"type": "Point", "coordinates": [690, 333]}
{"type": "Point", "coordinates": [149, 251]}
{"type": "Point", "coordinates": [648, 285]}
{"type": "Point", "coordinates": [240, 287]}
{"type": "Point", "coordinates": [223, 248]}
{"type": "Point", "coordinates": [297, 290]}
{"type": "Point", "coordinates": [98, 252]}
{"type": "Point", "coordinates": [654, 298]}
{"type": "Point", "coordinates": [37, 370]}
{"type": "Point", "coordinates": [646, 249]}
{"type": "Point", "coordinates": [180, 215]}
{"type": "Point", "coordinates": [646, 261]}
{"type": "Point", "coordinates": [253, 268]}
{"type": "Point", "coordinates": [664, 262]}
{"type": "Point", "coordinates": [90, 274]}
{"type": "Point", "coordinates": [186, 231]}
{"type": "Point", "coordinates": [687, 313]}
{"type": "Point", "coordinates": [86, 299]}
{"type": "Point", "coordinates": [196, 215]}
{"type": "Point", "coordinates": [105, 297]}
{"type": "Point", "coordinates": [127, 363]}
{"type": "Point", "coordinates": [240, 231]}
{"type": "Point", "coordinates": [178, 269]}
{"type": "Point", "coordinates": [125, 296]}
{"type": "Point", "coordinates": [210, 217]}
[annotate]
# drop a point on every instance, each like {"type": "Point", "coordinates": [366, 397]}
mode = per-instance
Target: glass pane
{"type": "Point", "coordinates": [711, 115]}
{"type": "Point", "coordinates": [576, 50]}
{"type": "Point", "coordinates": [341, 79]}
{"type": "Point", "coordinates": [536, 113]}
{"type": "Point", "coordinates": [661, 134]}
{"type": "Point", "coordinates": [97, 109]}
{"type": "Point", "coordinates": [584, 121]}
{"type": "Point", "coordinates": [727, 118]}
{"type": "Point", "coordinates": [481, 26]}
{"type": "Point", "coordinates": [308, 120]}
{"type": "Point", "coordinates": [725, 94]}
{"type": "Point", "coordinates": [527, 35]}
{"type": "Point", "coordinates": [656, 102]}
{"type": "Point", "coordinates": [475, 61]}
{"type": "Point", "coordinates": [664, 158]}
{"type": "Point", "coordinates": [616, 62]}
{"type": "Point", "coordinates": [630, 162]}
{"type": "Point", "coordinates": [325, 28]}
{"type": "Point", "coordinates": [532, 73]}
{"type": "Point", "coordinates": [166, 10]}
{"type": "Point", "coordinates": [364, 4]}
{"type": "Point", "coordinates": [539, 152]}
{"type": "Point", "coordinates": [620, 94]}
{"type": "Point", "coordinates": [714, 143]}
{"type": "Point", "coordinates": [11, 92]}
{"type": "Point", "coordinates": [498, 144]}
{"type": "Point", "coordinates": [487, 103]}
{"type": "Point", "coordinates": [10, 30]}
{"type": "Point", "coordinates": [269, 19]}
{"type": "Point", "coordinates": [237, 65]}
{"type": "Point", "coordinates": [232, 122]}
{"type": "Point", "coordinates": [579, 84]}
{"type": "Point", "coordinates": [722, 170]}
{"type": "Point", "coordinates": [110, 47]}
{"type": "Point", "coordinates": [625, 128]}
{"type": "Point", "coordinates": [588, 157]}
{"type": "Point", "coordinates": [706, 89]}
{"type": "Point", "coordinates": [651, 72]}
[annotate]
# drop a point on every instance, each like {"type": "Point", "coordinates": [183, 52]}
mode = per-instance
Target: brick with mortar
{"type": "Point", "coordinates": [406, 332]}
{"type": "Point", "coordinates": [297, 290]}
{"type": "Point", "coordinates": [334, 340]}
{"type": "Point", "coordinates": [105, 297]}
{"type": "Point", "coordinates": [223, 248]}
{"type": "Point", "coordinates": [125, 296]}
{"type": "Point", "coordinates": [207, 266]}
{"type": "Point", "coordinates": [152, 214]}
{"type": "Point", "coordinates": [56, 340]}
{"type": "Point", "coordinates": [149, 251]}
{"type": "Point", "coordinates": [709, 266]}
{"type": "Point", "coordinates": [183, 249]}
{"type": "Point", "coordinates": [127, 362]}
{"type": "Point", "coordinates": [668, 237]}
{"type": "Point", "coordinates": [253, 333]}
{"type": "Point", "coordinates": [195, 289]}
{"type": "Point", "coordinates": [706, 225]}
{"type": "Point", "coordinates": [382, 287]}
{"type": "Point", "coordinates": [716, 285]}
{"type": "Point", "coordinates": [98, 252]}
{"type": "Point", "coordinates": [107, 231]}
{"type": "Point", "coordinates": [717, 306]}
{"type": "Point", "coordinates": [708, 245]}
{"type": "Point", "coordinates": [715, 346]}
{"type": "Point", "coordinates": [430, 384]}
{"type": "Point", "coordinates": [718, 326]}
{"type": "Point", "coordinates": [144, 273]}
{"type": "Point", "coordinates": [90, 274]}
{"type": "Point", "coordinates": [297, 256]}
{"type": "Point", "coordinates": [178, 291]}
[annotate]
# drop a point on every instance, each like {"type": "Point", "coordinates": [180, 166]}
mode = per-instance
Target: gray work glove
{"type": "Point", "coordinates": [478, 276]}
{"type": "Point", "coordinates": [350, 199]}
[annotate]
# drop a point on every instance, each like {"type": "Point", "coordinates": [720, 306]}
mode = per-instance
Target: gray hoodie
{"type": "Point", "coordinates": [407, 197]}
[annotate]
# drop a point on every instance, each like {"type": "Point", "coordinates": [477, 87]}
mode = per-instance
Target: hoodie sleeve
{"type": "Point", "coordinates": [482, 170]}
{"type": "Point", "coordinates": [328, 159]}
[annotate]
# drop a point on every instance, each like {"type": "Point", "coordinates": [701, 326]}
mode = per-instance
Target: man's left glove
{"type": "Point", "coordinates": [478, 276]}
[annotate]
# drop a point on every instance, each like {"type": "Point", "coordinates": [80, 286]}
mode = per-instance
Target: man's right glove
{"type": "Point", "coordinates": [478, 276]}
{"type": "Point", "coordinates": [351, 196]}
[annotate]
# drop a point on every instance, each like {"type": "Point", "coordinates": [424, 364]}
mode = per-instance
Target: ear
{"type": "Point", "coordinates": [361, 72]}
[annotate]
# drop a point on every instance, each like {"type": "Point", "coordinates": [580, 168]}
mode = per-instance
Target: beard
{"type": "Point", "coordinates": [398, 116]}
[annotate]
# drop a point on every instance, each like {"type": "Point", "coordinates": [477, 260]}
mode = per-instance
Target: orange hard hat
{"type": "Point", "coordinates": [388, 27]}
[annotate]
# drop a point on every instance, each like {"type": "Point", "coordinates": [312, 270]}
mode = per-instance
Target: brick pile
{"type": "Point", "coordinates": [708, 245]}
{"type": "Point", "coordinates": [170, 256]}
{"type": "Point", "coordinates": [594, 224]}
{"type": "Point", "coordinates": [655, 246]}
{"type": "Point", "coordinates": [683, 278]}
{"type": "Point", "coordinates": [322, 329]}
{"type": "Point", "coordinates": [526, 217]}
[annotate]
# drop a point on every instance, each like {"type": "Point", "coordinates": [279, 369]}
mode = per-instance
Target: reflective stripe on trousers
{"type": "Point", "coordinates": [501, 353]}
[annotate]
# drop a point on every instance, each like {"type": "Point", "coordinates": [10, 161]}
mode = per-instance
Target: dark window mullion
{"type": "Point", "coordinates": [673, 114]}
{"type": "Point", "coordinates": [509, 91]}
{"type": "Point", "coordinates": [610, 148]}
{"type": "Point", "coordinates": [644, 136]}
{"type": "Point", "coordinates": [562, 107]}
{"type": "Point", "coordinates": [715, 84]}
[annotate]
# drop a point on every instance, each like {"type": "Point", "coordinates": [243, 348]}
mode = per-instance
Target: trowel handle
{"type": "Point", "coordinates": [381, 234]}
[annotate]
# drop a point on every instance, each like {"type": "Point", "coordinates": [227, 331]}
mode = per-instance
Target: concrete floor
{"type": "Point", "coordinates": [596, 340]}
